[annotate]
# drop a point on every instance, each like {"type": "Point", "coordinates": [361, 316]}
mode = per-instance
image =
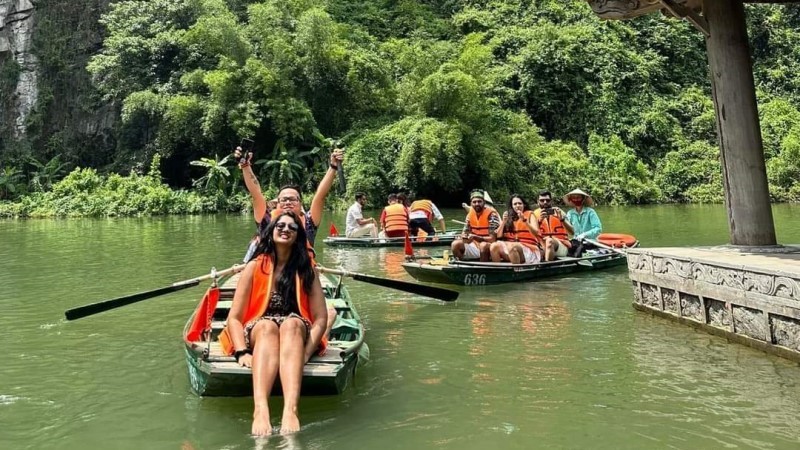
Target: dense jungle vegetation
{"type": "Point", "coordinates": [433, 98]}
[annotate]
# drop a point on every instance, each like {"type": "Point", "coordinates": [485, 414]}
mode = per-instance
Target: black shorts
{"type": "Point", "coordinates": [415, 224]}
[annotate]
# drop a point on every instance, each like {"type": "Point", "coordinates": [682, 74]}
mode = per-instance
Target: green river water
{"type": "Point", "coordinates": [561, 363]}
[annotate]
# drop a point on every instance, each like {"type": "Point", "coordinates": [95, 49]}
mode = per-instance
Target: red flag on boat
{"type": "Point", "coordinates": [407, 249]}
{"type": "Point", "coordinates": [202, 316]}
{"type": "Point", "coordinates": [333, 231]}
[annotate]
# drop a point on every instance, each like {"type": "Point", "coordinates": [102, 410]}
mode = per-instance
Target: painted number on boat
{"type": "Point", "coordinates": [474, 279]}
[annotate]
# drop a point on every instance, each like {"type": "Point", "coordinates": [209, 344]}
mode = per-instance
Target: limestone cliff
{"type": "Point", "coordinates": [50, 105]}
{"type": "Point", "coordinates": [16, 37]}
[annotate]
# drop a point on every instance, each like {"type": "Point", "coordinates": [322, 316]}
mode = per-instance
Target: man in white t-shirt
{"type": "Point", "coordinates": [357, 225]}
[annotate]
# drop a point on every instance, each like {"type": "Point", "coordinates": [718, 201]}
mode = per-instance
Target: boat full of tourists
{"type": "Point", "coordinates": [448, 270]}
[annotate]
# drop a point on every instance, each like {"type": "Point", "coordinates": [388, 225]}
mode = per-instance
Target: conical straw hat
{"type": "Point", "coordinates": [587, 199]}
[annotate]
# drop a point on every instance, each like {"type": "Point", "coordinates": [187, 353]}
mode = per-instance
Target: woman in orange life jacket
{"type": "Point", "coordinates": [518, 234]}
{"type": "Point", "coordinates": [277, 319]}
{"type": "Point", "coordinates": [553, 227]}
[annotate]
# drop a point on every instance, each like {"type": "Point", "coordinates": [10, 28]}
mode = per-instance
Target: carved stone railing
{"type": "Point", "coordinates": [628, 9]}
{"type": "Point", "coordinates": [751, 305]}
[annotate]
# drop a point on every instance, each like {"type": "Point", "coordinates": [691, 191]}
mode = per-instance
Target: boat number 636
{"type": "Point", "coordinates": [474, 278]}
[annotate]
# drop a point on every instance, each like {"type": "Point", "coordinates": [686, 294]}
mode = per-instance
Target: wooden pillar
{"type": "Point", "coordinates": [744, 173]}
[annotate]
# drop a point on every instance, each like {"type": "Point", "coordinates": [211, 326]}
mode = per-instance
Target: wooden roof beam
{"type": "Point", "coordinates": [691, 15]}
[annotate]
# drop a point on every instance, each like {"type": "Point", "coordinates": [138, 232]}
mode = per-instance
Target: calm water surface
{"type": "Point", "coordinates": [563, 363]}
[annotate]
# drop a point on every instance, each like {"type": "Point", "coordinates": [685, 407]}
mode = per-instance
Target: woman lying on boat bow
{"type": "Point", "coordinates": [277, 319]}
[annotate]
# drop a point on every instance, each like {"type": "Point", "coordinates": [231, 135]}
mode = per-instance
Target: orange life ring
{"type": "Point", "coordinates": [617, 240]}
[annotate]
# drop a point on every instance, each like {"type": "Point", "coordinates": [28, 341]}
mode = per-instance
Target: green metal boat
{"type": "Point", "coordinates": [473, 273]}
{"type": "Point", "coordinates": [213, 374]}
{"type": "Point", "coordinates": [428, 241]}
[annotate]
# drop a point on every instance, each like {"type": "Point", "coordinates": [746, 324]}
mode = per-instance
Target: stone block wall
{"type": "Point", "coordinates": [751, 306]}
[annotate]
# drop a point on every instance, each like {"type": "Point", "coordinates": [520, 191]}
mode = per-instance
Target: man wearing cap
{"type": "Point", "coordinates": [583, 218]}
{"type": "Point", "coordinates": [479, 232]}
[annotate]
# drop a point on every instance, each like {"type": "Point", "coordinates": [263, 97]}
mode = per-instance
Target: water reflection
{"type": "Point", "coordinates": [723, 386]}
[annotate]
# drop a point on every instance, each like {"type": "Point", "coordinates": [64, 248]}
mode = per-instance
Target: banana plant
{"type": "Point", "coordinates": [11, 183]}
{"type": "Point", "coordinates": [216, 176]}
{"type": "Point", "coordinates": [287, 165]}
{"type": "Point", "coordinates": [44, 175]}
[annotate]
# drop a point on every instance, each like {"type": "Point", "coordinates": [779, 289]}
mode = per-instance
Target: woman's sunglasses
{"type": "Point", "coordinates": [280, 226]}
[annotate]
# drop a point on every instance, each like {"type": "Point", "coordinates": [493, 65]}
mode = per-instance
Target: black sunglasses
{"type": "Point", "coordinates": [280, 226]}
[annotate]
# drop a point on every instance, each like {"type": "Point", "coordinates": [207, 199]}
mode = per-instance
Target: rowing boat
{"type": "Point", "coordinates": [211, 373]}
{"type": "Point", "coordinates": [427, 241]}
{"type": "Point", "coordinates": [473, 273]}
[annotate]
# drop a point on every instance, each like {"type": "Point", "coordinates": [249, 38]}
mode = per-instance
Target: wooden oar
{"type": "Point", "coordinates": [460, 222]}
{"type": "Point", "coordinates": [601, 245]}
{"type": "Point", "coordinates": [420, 289]}
{"type": "Point", "coordinates": [95, 308]}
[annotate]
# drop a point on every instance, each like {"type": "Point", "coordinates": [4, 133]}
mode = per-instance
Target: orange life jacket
{"type": "Point", "coordinates": [554, 227]}
{"type": "Point", "coordinates": [521, 233]}
{"type": "Point", "coordinates": [479, 225]}
{"type": "Point", "coordinates": [260, 293]}
{"type": "Point", "coordinates": [396, 218]}
{"type": "Point", "coordinates": [422, 205]}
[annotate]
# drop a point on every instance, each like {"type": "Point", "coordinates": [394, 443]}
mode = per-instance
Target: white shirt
{"type": "Point", "coordinates": [420, 214]}
{"type": "Point", "coordinates": [353, 216]}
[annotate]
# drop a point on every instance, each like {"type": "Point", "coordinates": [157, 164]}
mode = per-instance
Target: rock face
{"type": "Point", "coordinates": [16, 36]}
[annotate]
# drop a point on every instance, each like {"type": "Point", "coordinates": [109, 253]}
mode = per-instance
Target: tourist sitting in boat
{"type": "Point", "coordinates": [554, 227]}
{"type": "Point", "coordinates": [394, 218]}
{"type": "Point", "coordinates": [421, 215]}
{"type": "Point", "coordinates": [583, 218]}
{"type": "Point", "coordinates": [479, 232]}
{"type": "Point", "coordinates": [518, 235]}
{"type": "Point", "coordinates": [357, 224]}
{"type": "Point", "coordinates": [277, 319]}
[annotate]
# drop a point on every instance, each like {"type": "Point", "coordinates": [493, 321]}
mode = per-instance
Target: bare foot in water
{"type": "Point", "coordinates": [290, 422]}
{"type": "Point", "coordinates": [261, 425]}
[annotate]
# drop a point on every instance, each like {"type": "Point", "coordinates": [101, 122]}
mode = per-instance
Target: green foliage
{"type": "Point", "coordinates": [691, 174]}
{"type": "Point", "coordinates": [620, 177]}
{"type": "Point", "coordinates": [85, 193]}
{"type": "Point", "coordinates": [11, 182]}
{"type": "Point", "coordinates": [431, 97]}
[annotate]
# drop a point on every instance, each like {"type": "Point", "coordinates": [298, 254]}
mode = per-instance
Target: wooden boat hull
{"type": "Point", "coordinates": [479, 274]}
{"type": "Point", "coordinates": [432, 241]}
{"type": "Point", "coordinates": [212, 373]}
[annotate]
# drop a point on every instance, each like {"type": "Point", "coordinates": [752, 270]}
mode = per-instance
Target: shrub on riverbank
{"type": "Point", "coordinates": [85, 193]}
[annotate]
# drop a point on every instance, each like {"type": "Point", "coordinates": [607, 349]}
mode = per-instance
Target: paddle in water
{"type": "Point", "coordinates": [105, 305]}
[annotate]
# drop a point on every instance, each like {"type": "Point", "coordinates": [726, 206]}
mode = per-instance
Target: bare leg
{"type": "Point", "coordinates": [548, 249]}
{"type": "Point", "coordinates": [484, 249]}
{"type": "Point", "coordinates": [293, 336]}
{"type": "Point", "coordinates": [457, 247]}
{"type": "Point", "coordinates": [498, 251]}
{"type": "Point", "coordinates": [516, 256]}
{"type": "Point", "coordinates": [266, 353]}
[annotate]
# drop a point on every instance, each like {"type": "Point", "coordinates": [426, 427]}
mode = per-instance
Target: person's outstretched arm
{"type": "Point", "coordinates": [318, 202]}
{"type": "Point", "coordinates": [438, 216]}
{"type": "Point", "coordinates": [252, 185]}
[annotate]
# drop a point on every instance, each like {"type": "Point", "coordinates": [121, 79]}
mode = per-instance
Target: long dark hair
{"type": "Point", "coordinates": [299, 262]}
{"type": "Point", "coordinates": [512, 213]}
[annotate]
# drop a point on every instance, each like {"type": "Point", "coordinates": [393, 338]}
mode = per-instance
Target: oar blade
{"type": "Point", "coordinates": [96, 308]}
{"type": "Point", "coordinates": [446, 295]}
